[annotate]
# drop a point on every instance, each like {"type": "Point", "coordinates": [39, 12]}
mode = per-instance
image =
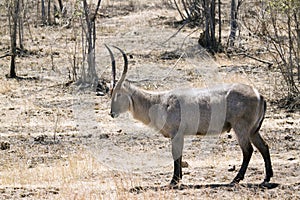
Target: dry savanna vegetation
{"type": "Point", "coordinates": [57, 140]}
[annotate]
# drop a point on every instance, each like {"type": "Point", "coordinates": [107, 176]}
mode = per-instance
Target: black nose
{"type": "Point", "coordinates": [112, 114]}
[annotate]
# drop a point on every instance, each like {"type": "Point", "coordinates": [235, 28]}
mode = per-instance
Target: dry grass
{"type": "Point", "coordinates": [75, 176]}
{"type": "Point", "coordinates": [5, 87]}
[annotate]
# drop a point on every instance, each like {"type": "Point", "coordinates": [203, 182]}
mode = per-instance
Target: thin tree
{"type": "Point", "coordinates": [202, 13]}
{"type": "Point", "coordinates": [43, 12]}
{"type": "Point", "coordinates": [297, 21]}
{"type": "Point", "coordinates": [220, 22]}
{"type": "Point", "coordinates": [21, 17]}
{"type": "Point", "coordinates": [208, 37]}
{"type": "Point", "coordinates": [235, 5]}
{"type": "Point", "coordinates": [13, 15]}
{"type": "Point", "coordinates": [89, 43]}
{"type": "Point", "coordinates": [61, 6]}
{"type": "Point", "coordinates": [49, 13]}
{"type": "Point", "coordinates": [285, 24]}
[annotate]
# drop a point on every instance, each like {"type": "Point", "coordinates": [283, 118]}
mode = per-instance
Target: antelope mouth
{"type": "Point", "coordinates": [114, 115]}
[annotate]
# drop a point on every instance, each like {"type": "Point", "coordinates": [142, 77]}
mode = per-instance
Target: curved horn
{"type": "Point", "coordinates": [125, 65]}
{"type": "Point", "coordinates": [113, 66]}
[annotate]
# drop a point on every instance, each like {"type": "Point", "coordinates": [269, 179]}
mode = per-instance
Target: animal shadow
{"type": "Point", "coordinates": [225, 186]}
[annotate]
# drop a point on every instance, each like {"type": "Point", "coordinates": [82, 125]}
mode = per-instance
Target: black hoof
{"type": "Point", "coordinates": [268, 185]}
{"type": "Point", "coordinates": [268, 178]}
{"type": "Point", "coordinates": [235, 181]}
{"type": "Point", "coordinates": [232, 183]}
{"type": "Point", "coordinates": [174, 183]}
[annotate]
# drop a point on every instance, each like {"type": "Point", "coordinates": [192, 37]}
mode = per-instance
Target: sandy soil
{"type": "Point", "coordinates": [58, 142]}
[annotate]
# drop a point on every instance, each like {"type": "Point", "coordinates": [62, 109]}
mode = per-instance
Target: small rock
{"type": "Point", "coordinates": [88, 136]}
{"type": "Point", "coordinates": [4, 145]}
{"type": "Point", "coordinates": [184, 164]}
{"type": "Point", "coordinates": [40, 138]}
{"type": "Point", "coordinates": [100, 94]}
{"type": "Point", "coordinates": [104, 136]}
{"type": "Point", "coordinates": [289, 138]}
{"type": "Point", "coordinates": [231, 168]}
{"type": "Point", "coordinates": [292, 158]}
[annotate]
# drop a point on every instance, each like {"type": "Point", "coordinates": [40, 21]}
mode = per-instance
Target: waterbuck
{"type": "Point", "coordinates": [195, 111]}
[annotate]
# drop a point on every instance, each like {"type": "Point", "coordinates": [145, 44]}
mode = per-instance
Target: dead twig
{"type": "Point", "coordinates": [174, 35]}
{"type": "Point", "coordinates": [174, 66]}
{"type": "Point", "coordinates": [5, 55]}
{"type": "Point", "coordinates": [254, 58]}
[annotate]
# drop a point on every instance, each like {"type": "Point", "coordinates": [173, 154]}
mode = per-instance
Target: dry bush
{"type": "Point", "coordinates": [276, 24]}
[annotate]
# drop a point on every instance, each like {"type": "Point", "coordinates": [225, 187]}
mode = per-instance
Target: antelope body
{"type": "Point", "coordinates": [196, 111]}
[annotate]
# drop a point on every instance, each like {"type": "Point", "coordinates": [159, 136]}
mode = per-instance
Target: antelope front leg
{"type": "Point", "coordinates": [177, 146]}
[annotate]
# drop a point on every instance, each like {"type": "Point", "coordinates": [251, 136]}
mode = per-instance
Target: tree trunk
{"type": "Point", "coordinates": [20, 20]}
{"type": "Point", "coordinates": [213, 24]}
{"type": "Point", "coordinates": [14, 12]}
{"type": "Point", "coordinates": [220, 22]}
{"type": "Point", "coordinates": [91, 75]}
{"type": "Point", "coordinates": [89, 28]}
{"type": "Point", "coordinates": [298, 44]}
{"type": "Point", "coordinates": [208, 39]}
{"type": "Point", "coordinates": [43, 12]}
{"type": "Point", "coordinates": [12, 72]}
{"type": "Point", "coordinates": [61, 7]}
{"type": "Point", "coordinates": [207, 24]}
{"type": "Point", "coordinates": [37, 13]}
{"type": "Point", "coordinates": [233, 22]}
{"type": "Point", "coordinates": [49, 13]}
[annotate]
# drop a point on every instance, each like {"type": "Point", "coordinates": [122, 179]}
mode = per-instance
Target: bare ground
{"type": "Point", "coordinates": [58, 142]}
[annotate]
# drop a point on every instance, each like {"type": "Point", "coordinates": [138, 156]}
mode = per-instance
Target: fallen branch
{"type": "Point", "coordinates": [174, 35]}
{"type": "Point", "coordinates": [254, 58]}
{"type": "Point", "coordinates": [5, 55]}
